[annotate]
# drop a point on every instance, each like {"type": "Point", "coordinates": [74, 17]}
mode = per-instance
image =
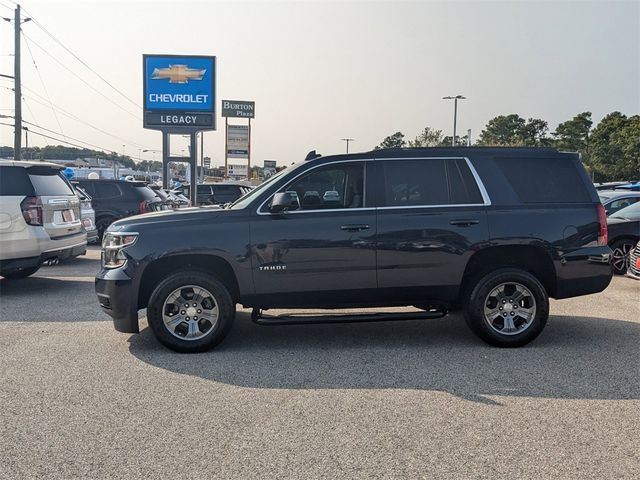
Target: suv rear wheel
{"type": "Point", "coordinates": [507, 308]}
{"type": "Point", "coordinates": [190, 312]}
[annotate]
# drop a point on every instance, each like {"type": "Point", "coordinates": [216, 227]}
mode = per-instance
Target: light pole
{"type": "Point", "coordinates": [455, 115]}
{"type": "Point", "coordinates": [347, 140]}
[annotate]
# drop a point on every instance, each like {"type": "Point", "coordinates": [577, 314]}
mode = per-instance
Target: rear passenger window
{"type": "Point", "coordinates": [463, 188]}
{"type": "Point", "coordinates": [48, 182]}
{"type": "Point", "coordinates": [415, 182]}
{"type": "Point", "coordinates": [540, 180]}
{"type": "Point", "coordinates": [106, 190]}
{"type": "Point", "coordinates": [14, 182]}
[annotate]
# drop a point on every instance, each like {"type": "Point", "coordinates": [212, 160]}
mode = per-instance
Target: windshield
{"type": "Point", "coordinates": [632, 212]}
{"type": "Point", "coordinates": [245, 200]}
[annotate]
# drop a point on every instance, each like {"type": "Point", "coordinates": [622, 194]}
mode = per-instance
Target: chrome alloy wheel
{"type": "Point", "coordinates": [190, 312]}
{"type": "Point", "coordinates": [622, 257]}
{"type": "Point", "coordinates": [510, 308]}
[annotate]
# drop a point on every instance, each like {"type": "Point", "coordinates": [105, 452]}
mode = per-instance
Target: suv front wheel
{"type": "Point", "coordinates": [190, 312]}
{"type": "Point", "coordinates": [507, 308]}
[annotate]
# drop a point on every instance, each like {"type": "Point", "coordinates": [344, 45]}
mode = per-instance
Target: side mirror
{"type": "Point", "coordinates": [283, 201]}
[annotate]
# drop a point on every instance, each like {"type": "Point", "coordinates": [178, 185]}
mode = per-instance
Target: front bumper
{"type": "Point", "coordinates": [118, 297]}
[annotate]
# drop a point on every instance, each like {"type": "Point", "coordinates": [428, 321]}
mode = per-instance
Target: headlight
{"type": "Point", "coordinates": [112, 245]}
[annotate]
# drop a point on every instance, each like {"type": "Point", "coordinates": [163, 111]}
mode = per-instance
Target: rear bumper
{"type": "Point", "coordinates": [583, 272]}
{"type": "Point", "coordinates": [118, 297]}
{"type": "Point", "coordinates": [62, 253]}
{"type": "Point", "coordinates": [92, 236]}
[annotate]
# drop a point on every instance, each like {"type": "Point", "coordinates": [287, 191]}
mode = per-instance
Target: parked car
{"type": "Point", "coordinates": [624, 233]}
{"type": "Point", "coordinates": [632, 186]}
{"type": "Point", "coordinates": [39, 217]}
{"type": "Point", "coordinates": [614, 200]}
{"type": "Point", "coordinates": [178, 199]}
{"type": "Point", "coordinates": [217, 193]}
{"type": "Point", "coordinates": [168, 198]}
{"type": "Point", "coordinates": [116, 199]}
{"type": "Point", "coordinates": [634, 263]}
{"type": "Point", "coordinates": [87, 215]}
{"type": "Point", "coordinates": [492, 231]}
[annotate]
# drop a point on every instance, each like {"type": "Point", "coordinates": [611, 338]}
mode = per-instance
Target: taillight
{"type": "Point", "coordinates": [32, 211]}
{"type": "Point", "coordinates": [603, 236]}
{"type": "Point", "coordinates": [143, 207]}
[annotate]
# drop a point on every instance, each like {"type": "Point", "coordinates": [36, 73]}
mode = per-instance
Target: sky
{"type": "Point", "coordinates": [323, 71]}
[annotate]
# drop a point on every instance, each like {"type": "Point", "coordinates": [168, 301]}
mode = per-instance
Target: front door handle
{"type": "Point", "coordinates": [354, 227]}
{"type": "Point", "coordinates": [464, 222]}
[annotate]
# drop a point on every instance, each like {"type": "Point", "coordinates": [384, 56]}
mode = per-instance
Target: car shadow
{"type": "Point", "coordinates": [39, 299]}
{"type": "Point", "coordinates": [574, 358]}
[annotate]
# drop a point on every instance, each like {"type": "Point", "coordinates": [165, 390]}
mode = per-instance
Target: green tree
{"type": "Point", "coordinates": [502, 130]}
{"type": "Point", "coordinates": [393, 141]}
{"type": "Point", "coordinates": [573, 135]}
{"type": "Point", "coordinates": [513, 130]}
{"type": "Point", "coordinates": [614, 148]}
{"type": "Point", "coordinates": [461, 141]}
{"type": "Point", "coordinates": [429, 137]}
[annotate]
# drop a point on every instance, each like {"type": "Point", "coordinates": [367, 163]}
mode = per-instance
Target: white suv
{"type": "Point", "coordinates": [39, 217]}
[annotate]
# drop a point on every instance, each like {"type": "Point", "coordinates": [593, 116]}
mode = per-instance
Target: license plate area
{"type": "Point", "coordinates": [64, 216]}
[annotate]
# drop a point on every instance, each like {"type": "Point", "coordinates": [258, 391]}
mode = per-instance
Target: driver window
{"type": "Point", "coordinates": [330, 187]}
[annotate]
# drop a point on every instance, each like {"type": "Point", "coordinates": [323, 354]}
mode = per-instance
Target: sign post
{"type": "Point", "coordinates": [179, 99]}
{"type": "Point", "coordinates": [237, 137]}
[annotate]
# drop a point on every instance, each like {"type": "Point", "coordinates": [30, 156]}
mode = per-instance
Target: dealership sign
{"type": "Point", "coordinates": [237, 170]}
{"type": "Point", "coordinates": [237, 141]}
{"type": "Point", "coordinates": [238, 109]}
{"type": "Point", "coordinates": [179, 92]}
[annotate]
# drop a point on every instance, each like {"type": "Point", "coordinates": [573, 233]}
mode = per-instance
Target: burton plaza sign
{"type": "Point", "coordinates": [179, 92]}
{"type": "Point", "coordinates": [238, 109]}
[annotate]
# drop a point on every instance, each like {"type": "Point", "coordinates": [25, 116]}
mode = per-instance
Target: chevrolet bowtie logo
{"type": "Point", "coordinates": [178, 74]}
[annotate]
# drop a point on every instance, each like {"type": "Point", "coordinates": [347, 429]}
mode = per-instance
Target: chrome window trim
{"type": "Point", "coordinates": [288, 212]}
{"type": "Point", "coordinates": [486, 200]}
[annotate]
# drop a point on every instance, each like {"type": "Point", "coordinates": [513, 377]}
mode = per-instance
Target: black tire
{"type": "Point", "coordinates": [101, 226]}
{"type": "Point", "coordinates": [222, 297]}
{"type": "Point", "coordinates": [622, 255]}
{"type": "Point", "coordinates": [479, 293]}
{"type": "Point", "coordinates": [20, 273]}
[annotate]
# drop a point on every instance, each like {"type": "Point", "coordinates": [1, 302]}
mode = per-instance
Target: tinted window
{"type": "Point", "coordinates": [204, 190]}
{"type": "Point", "coordinates": [537, 180]}
{"type": "Point", "coordinates": [631, 212]}
{"type": "Point", "coordinates": [106, 190]}
{"type": "Point", "coordinates": [621, 203]}
{"type": "Point", "coordinates": [48, 182]}
{"type": "Point", "coordinates": [145, 193]}
{"type": "Point", "coordinates": [335, 186]}
{"type": "Point", "coordinates": [14, 181]}
{"type": "Point", "coordinates": [462, 186]}
{"type": "Point", "coordinates": [415, 182]}
{"type": "Point", "coordinates": [226, 189]}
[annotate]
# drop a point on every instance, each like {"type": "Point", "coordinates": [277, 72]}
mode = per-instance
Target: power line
{"type": "Point", "coordinates": [82, 79]}
{"type": "Point", "coordinates": [44, 87]}
{"type": "Point", "coordinates": [42, 27]}
{"type": "Point", "coordinates": [58, 133]}
{"type": "Point", "coordinates": [41, 101]}
{"type": "Point", "coordinates": [60, 140]}
{"type": "Point", "coordinates": [78, 119]}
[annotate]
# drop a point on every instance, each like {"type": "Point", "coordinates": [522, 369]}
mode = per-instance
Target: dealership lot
{"type": "Point", "coordinates": [412, 399]}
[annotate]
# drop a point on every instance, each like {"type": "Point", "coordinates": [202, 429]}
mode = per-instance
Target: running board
{"type": "Point", "coordinates": [261, 319]}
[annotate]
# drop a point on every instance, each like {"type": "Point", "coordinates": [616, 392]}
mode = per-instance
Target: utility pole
{"type": "Point", "coordinates": [347, 140]}
{"type": "Point", "coordinates": [455, 115]}
{"type": "Point", "coordinates": [17, 138]}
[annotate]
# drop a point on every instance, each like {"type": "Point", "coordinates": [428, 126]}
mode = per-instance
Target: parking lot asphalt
{"type": "Point", "coordinates": [410, 399]}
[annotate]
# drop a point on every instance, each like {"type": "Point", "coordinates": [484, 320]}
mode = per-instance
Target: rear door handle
{"type": "Point", "coordinates": [354, 228]}
{"type": "Point", "coordinates": [464, 222]}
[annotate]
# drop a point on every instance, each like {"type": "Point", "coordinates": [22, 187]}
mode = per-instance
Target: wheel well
{"type": "Point", "coordinates": [623, 237]}
{"type": "Point", "coordinates": [532, 259]}
{"type": "Point", "coordinates": [163, 267]}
